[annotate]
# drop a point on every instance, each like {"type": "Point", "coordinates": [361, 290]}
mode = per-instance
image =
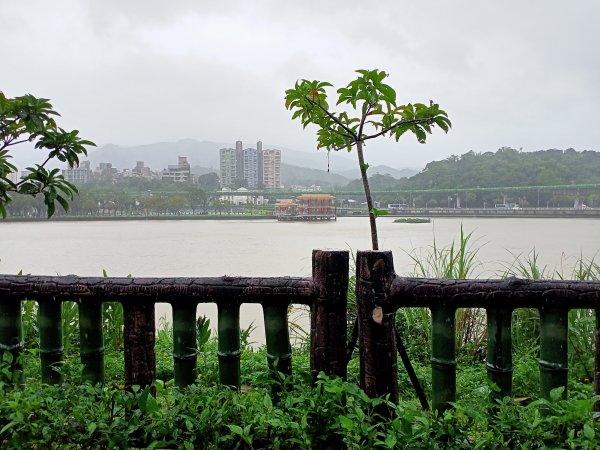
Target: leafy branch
{"type": "Point", "coordinates": [30, 119]}
{"type": "Point", "coordinates": [376, 114]}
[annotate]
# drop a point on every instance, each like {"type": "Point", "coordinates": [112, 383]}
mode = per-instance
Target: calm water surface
{"type": "Point", "coordinates": [269, 248]}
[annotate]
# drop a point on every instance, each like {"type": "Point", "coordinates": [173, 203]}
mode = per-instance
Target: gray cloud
{"type": "Point", "coordinates": [513, 73]}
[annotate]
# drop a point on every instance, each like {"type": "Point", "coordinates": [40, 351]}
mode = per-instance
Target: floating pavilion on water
{"type": "Point", "coordinates": [307, 207]}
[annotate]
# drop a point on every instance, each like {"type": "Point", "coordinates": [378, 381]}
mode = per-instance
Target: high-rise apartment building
{"type": "Point", "coordinates": [251, 168]}
{"type": "Point", "coordinates": [257, 168]}
{"type": "Point", "coordinates": [228, 164]}
{"type": "Point", "coordinates": [271, 164]}
{"type": "Point", "coordinates": [239, 156]}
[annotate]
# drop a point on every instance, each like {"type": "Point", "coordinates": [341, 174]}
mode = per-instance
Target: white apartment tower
{"type": "Point", "coordinates": [229, 166]}
{"type": "Point", "coordinates": [257, 167]}
{"type": "Point", "coordinates": [251, 168]}
{"type": "Point", "coordinates": [271, 169]}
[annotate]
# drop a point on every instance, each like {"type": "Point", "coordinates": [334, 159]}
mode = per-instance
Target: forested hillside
{"type": "Point", "coordinates": [509, 167]}
{"type": "Point", "coordinates": [503, 169]}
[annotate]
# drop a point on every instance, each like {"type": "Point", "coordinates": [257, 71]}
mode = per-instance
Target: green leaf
{"type": "Point", "coordinates": [588, 432]}
{"type": "Point", "coordinates": [556, 393]}
{"type": "Point", "coordinates": [236, 429]}
{"type": "Point", "coordinates": [390, 441]}
{"type": "Point", "coordinates": [364, 166]}
{"type": "Point", "coordinates": [347, 423]}
{"type": "Point", "coordinates": [388, 94]}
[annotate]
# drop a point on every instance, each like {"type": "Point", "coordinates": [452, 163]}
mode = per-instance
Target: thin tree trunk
{"type": "Point", "coordinates": [365, 180]}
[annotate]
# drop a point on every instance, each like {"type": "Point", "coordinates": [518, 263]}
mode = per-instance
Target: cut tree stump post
{"type": "Point", "coordinates": [328, 315]}
{"type": "Point", "coordinates": [139, 337]}
{"type": "Point", "coordinates": [377, 343]}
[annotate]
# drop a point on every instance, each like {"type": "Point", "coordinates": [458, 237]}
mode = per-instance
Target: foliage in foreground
{"type": "Point", "coordinates": [30, 119]}
{"type": "Point", "coordinates": [332, 414]}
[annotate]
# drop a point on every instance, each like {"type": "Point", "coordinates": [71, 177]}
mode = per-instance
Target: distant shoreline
{"type": "Point", "coordinates": [126, 218]}
{"type": "Point", "coordinates": [525, 213]}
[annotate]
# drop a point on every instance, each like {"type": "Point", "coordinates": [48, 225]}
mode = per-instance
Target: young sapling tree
{"type": "Point", "coordinates": [371, 112]}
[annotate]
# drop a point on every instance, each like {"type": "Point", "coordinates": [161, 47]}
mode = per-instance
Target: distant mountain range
{"type": "Point", "coordinates": [304, 168]}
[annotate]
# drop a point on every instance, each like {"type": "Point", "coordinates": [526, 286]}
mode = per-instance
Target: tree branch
{"type": "Point", "coordinates": [399, 124]}
{"type": "Point", "coordinates": [332, 117]}
{"type": "Point", "coordinates": [15, 143]}
{"type": "Point", "coordinates": [363, 119]}
{"type": "Point", "coordinates": [41, 165]}
{"type": "Point", "coordinates": [9, 123]}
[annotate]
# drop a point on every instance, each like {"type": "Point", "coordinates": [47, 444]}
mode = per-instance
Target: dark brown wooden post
{"type": "Point", "coordinates": [139, 339]}
{"type": "Point", "coordinates": [377, 343]}
{"type": "Point", "coordinates": [328, 313]}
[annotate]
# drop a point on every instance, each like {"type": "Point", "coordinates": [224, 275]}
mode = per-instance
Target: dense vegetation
{"type": "Point", "coordinates": [505, 167]}
{"type": "Point", "coordinates": [510, 167]}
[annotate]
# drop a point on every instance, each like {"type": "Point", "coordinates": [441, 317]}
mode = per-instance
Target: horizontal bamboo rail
{"type": "Point", "coordinates": [325, 293]}
{"type": "Point", "coordinates": [380, 292]}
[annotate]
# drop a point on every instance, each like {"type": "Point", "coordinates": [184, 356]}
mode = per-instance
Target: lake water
{"type": "Point", "coordinates": [270, 248]}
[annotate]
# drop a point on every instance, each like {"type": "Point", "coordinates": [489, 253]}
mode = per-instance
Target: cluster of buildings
{"type": "Point", "coordinates": [252, 168]}
{"type": "Point", "coordinates": [179, 172]}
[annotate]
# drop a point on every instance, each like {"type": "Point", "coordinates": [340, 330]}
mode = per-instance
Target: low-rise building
{"type": "Point", "coordinates": [78, 175]}
{"type": "Point", "coordinates": [179, 173]}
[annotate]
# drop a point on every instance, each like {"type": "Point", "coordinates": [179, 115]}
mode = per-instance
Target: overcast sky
{"type": "Point", "coordinates": [524, 74]}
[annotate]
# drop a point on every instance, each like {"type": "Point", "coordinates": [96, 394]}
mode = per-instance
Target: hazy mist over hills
{"type": "Point", "coordinates": [297, 167]}
{"type": "Point", "coordinates": [206, 154]}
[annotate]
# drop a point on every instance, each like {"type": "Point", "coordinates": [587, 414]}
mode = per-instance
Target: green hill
{"type": "Point", "coordinates": [509, 167]}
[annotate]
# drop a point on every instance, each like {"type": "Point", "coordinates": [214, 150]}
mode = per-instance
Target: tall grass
{"type": "Point", "coordinates": [457, 260]}
{"type": "Point", "coordinates": [582, 322]}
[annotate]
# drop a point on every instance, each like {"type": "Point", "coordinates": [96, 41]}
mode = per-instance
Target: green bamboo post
{"type": "Point", "coordinates": [51, 340]}
{"type": "Point", "coordinates": [597, 361]}
{"type": "Point", "coordinates": [91, 342]}
{"type": "Point", "coordinates": [499, 350]}
{"type": "Point", "coordinates": [554, 366]}
{"type": "Point", "coordinates": [229, 343]}
{"type": "Point", "coordinates": [443, 357]}
{"type": "Point", "coordinates": [279, 350]}
{"type": "Point", "coordinates": [184, 344]}
{"type": "Point", "coordinates": [11, 337]}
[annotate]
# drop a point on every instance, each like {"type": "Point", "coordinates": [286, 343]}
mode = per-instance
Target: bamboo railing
{"type": "Point", "coordinates": [380, 292]}
{"type": "Point", "coordinates": [325, 293]}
